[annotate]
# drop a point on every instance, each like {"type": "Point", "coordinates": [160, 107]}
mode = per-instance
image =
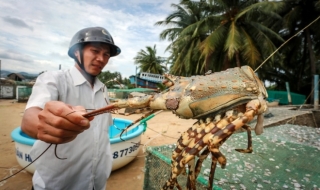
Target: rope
{"type": "Point", "coordinates": [286, 42]}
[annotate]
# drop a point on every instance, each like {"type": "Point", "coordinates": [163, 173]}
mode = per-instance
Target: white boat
{"type": "Point", "coordinates": [123, 151]}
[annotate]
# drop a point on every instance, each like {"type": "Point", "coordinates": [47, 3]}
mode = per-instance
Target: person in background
{"type": "Point", "coordinates": [80, 155]}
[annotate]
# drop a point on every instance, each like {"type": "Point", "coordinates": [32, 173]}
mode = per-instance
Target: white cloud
{"type": "Point", "coordinates": [36, 37]}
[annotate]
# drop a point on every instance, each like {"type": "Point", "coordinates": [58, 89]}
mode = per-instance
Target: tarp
{"type": "Point", "coordinates": [284, 157]}
{"type": "Point", "coordinates": [282, 97]}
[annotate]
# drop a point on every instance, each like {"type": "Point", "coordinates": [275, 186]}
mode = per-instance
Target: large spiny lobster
{"type": "Point", "coordinates": [223, 102]}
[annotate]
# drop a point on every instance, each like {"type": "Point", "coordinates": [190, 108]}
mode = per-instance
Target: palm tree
{"type": "Point", "coordinates": [302, 50]}
{"type": "Point", "coordinates": [148, 61]}
{"type": "Point", "coordinates": [108, 78]}
{"type": "Point", "coordinates": [215, 35]}
{"type": "Point", "coordinates": [241, 35]}
{"type": "Point", "coordinates": [185, 52]}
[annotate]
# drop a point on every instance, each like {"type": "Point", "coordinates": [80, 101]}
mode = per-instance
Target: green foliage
{"type": "Point", "coordinates": [148, 61]}
{"type": "Point", "coordinates": [111, 79]}
{"type": "Point", "coordinates": [186, 36]}
{"type": "Point", "coordinates": [219, 34]}
{"type": "Point", "coordinates": [299, 61]}
{"type": "Point", "coordinates": [215, 35]}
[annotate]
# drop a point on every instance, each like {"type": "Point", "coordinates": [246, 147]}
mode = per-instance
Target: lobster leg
{"type": "Point", "coordinates": [219, 137]}
{"type": "Point", "coordinates": [190, 144]}
{"type": "Point", "coordinates": [202, 157]}
{"type": "Point", "coordinates": [212, 135]}
{"type": "Point", "coordinates": [212, 171]}
{"type": "Point", "coordinates": [187, 139]}
{"type": "Point", "coordinates": [171, 183]}
{"type": "Point", "coordinates": [191, 185]}
{"type": "Point", "coordinates": [249, 148]}
{"type": "Point", "coordinates": [215, 153]}
{"type": "Point", "coordinates": [228, 119]}
{"type": "Point", "coordinates": [217, 156]}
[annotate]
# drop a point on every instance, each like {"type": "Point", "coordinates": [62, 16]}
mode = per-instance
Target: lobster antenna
{"type": "Point", "coordinates": [285, 43]}
{"type": "Point", "coordinates": [26, 165]}
{"type": "Point", "coordinates": [139, 121]}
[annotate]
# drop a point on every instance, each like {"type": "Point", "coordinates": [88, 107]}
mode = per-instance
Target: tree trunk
{"type": "Point", "coordinates": [238, 59]}
{"type": "Point", "coordinates": [312, 61]}
{"type": "Point", "coordinates": [303, 60]}
{"type": "Point", "coordinates": [207, 63]}
{"type": "Point", "coordinates": [226, 63]}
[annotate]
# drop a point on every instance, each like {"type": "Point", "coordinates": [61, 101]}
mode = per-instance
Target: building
{"type": "Point", "coordinates": [143, 83]}
{"type": "Point", "coordinates": [16, 77]}
{"type": "Point", "coordinates": [157, 78]}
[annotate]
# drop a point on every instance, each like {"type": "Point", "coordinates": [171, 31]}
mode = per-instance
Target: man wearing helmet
{"type": "Point", "coordinates": [53, 115]}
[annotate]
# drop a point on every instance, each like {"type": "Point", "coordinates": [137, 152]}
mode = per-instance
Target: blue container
{"type": "Point", "coordinates": [24, 143]}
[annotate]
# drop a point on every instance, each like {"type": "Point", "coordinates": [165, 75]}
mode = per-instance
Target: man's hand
{"type": "Point", "coordinates": [57, 123]}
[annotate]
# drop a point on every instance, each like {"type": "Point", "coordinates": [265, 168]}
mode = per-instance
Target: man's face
{"type": "Point", "coordinates": [95, 57]}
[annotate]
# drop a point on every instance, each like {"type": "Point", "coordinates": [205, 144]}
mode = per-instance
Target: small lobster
{"type": "Point", "coordinates": [222, 102]}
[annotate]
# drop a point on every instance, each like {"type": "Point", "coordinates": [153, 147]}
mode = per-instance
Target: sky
{"type": "Point", "coordinates": [35, 35]}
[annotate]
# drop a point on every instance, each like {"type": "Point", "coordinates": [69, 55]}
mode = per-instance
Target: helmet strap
{"type": "Point", "coordinates": [88, 76]}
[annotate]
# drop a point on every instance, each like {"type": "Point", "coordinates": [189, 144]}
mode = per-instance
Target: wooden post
{"type": "Point", "coordinates": [288, 92]}
{"type": "Point", "coordinates": [316, 92]}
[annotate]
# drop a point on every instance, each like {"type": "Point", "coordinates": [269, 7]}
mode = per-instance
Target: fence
{"type": "Point", "coordinates": [23, 93]}
{"type": "Point", "coordinates": [125, 93]}
{"type": "Point", "coordinates": [15, 90]}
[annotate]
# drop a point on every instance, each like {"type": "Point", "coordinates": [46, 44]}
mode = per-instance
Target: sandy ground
{"type": "Point", "coordinates": [165, 128]}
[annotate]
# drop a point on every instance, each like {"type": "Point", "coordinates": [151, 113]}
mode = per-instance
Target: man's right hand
{"type": "Point", "coordinates": [57, 123]}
